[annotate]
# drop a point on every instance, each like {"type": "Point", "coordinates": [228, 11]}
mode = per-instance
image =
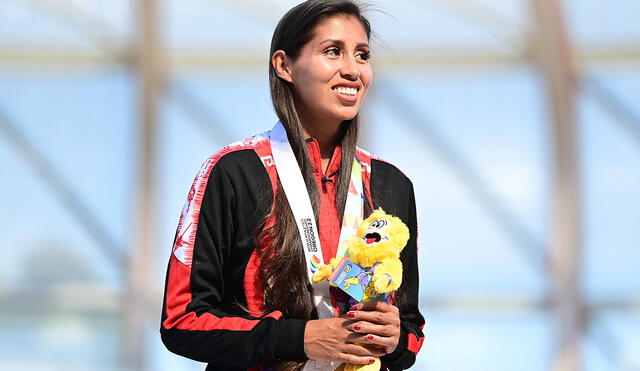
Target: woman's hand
{"type": "Point", "coordinates": [332, 340]}
{"type": "Point", "coordinates": [378, 323]}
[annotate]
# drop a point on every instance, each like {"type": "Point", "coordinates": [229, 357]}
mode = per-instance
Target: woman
{"type": "Point", "coordinates": [237, 292]}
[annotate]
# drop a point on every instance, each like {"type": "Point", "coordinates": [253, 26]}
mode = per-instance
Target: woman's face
{"type": "Point", "coordinates": [332, 73]}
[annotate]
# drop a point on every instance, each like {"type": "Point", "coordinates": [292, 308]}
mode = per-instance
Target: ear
{"type": "Point", "coordinates": [282, 64]}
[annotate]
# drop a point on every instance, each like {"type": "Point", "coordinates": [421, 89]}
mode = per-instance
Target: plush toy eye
{"type": "Point", "coordinates": [378, 223]}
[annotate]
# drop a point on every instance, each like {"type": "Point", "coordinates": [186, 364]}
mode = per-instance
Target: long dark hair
{"type": "Point", "coordinates": [283, 269]}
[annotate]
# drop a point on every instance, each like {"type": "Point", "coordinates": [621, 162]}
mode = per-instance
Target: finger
{"type": "Point", "coordinates": [355, 338]}
{"type": "Point", "coordinates": [362, 350]}
{"type": "Point", "coordinates": [364, 327]}
{"type": "Point", "coordinates": [348, 324]}
{"type": "Point", "coordinates": [390, 343]}
{"type": "Point", "coordinates": [356, 360]}
{"type": "Point", "coordinates": [376, 305]}
{"type": "Point", "coordinates": [382, 318]}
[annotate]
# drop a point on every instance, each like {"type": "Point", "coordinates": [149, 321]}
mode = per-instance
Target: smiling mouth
{"type": "Point", "coordinates": [371, 238]}
{"type": "Point", "coordinates": [346, 91]}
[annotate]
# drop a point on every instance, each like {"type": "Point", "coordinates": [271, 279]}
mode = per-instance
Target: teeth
{"type": "Point", "coordinates": [347, 91]}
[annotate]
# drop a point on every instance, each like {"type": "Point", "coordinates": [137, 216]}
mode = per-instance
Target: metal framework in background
{"type": "Point", "coordinates": [138, 302]}
{"type": "Point", "coordinates": [548, 48]}
{"type": "Point", "coordinates": [555, 60]}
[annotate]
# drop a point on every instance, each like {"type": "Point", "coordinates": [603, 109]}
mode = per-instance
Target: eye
{"type": "Point", "coordinates": [365, 55]}
{"type": "Point", "coordinates": [333, 51]}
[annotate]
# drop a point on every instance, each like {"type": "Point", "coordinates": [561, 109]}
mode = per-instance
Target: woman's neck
{"type": "Point", "coordinates": [326, 134]}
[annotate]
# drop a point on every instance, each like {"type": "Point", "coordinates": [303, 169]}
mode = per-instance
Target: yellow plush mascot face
{"type": "Point", "coordinates": [380, 236]}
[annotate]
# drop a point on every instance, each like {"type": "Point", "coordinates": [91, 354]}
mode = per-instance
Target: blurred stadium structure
{"type": "Point", "coordinates": [518, 121]}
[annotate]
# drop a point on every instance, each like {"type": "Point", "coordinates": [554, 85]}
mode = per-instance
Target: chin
{"type": "Point", "coordinates": [346, 114]}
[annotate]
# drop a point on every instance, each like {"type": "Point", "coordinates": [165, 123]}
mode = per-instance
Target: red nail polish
{"type": "Point", "coordinates": [369, 337]}
{"type": "Point", "coordinates": [351, 314]}
{"type": "Point", "coordinates": [354, 307]}
{"type": "Point", "coordinates": [371, 360]}
{"type": "Point", "coordinates": [357, 327]}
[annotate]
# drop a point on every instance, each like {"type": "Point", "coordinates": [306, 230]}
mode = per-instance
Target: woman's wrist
{"type": "Point", "coordinates": [304, 339]}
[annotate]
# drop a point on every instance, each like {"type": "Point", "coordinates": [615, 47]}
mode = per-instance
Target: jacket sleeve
{"type": "Point", "coordinates": [411, 321]}
{"type": "Point", "coordinates": [198, 321]}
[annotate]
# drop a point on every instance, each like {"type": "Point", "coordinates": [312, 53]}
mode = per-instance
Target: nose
{"type": "Point", "coordinates": [349, 69]}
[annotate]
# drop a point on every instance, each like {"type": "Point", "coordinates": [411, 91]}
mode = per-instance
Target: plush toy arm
{"type": "Point", "coordinates": [325, 270]}
{"type": "Point", "coordinates": [388, 276]}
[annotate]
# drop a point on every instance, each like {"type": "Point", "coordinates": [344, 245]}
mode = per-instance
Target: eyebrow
{"type": "Point", "coordinates": [341, 43]}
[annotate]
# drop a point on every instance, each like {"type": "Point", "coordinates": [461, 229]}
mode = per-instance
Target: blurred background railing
{"type": "Point", "coordinates": [517, 120]}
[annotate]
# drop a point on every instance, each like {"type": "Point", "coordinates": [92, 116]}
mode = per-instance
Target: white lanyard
{"type": "Point", "coordinates": [296, 191]}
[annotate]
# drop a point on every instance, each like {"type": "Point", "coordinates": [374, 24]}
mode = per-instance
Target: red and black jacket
{"type": "Point", "coordinates": [213, 270]}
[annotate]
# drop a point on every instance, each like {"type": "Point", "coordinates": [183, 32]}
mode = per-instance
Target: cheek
{"type": "Point", "coordinates": [312, 81]}
{"type": "Point", "coordinates": [318, 73]}
{"type": "Point", "coordinates": [366, 75]}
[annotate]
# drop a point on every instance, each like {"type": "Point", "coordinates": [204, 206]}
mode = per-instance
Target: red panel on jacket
{"type": "Point", "coordinates": [329, 220]}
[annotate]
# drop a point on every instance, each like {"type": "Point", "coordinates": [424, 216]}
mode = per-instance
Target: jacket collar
{"type": "Point", "coordinates": [314, 154]}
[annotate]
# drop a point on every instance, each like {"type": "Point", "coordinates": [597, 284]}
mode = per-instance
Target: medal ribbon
{"type": "Point", "coordinates": [296, 191]}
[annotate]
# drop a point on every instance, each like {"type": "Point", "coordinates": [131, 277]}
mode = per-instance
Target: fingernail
{"type": "Point", "coordinates": [351, 314]}
{"type": "Point", "coordinates": [354, 307]}
{"type": "Point", "coordinates": [371, 360]}
{"type": "Point", "coordinates": [369, 337]}
{"type": "Point", "coordinates": [357, 327]}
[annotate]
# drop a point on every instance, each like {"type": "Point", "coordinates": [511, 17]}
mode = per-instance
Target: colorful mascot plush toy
{"type": "Point", "coordinates": [376, 250]}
